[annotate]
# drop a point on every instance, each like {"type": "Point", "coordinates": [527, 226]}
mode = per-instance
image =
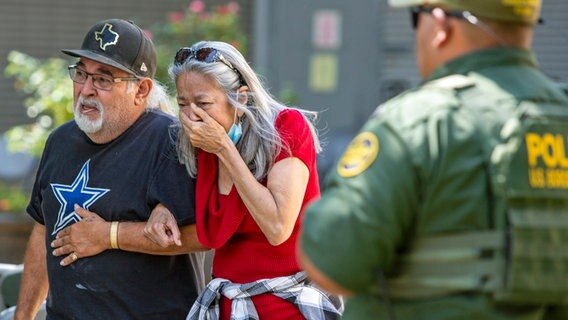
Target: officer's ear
{"type": "Point", "coordinates": [442, 28]}
{"type": "Point", "coordinates": [144, 88]}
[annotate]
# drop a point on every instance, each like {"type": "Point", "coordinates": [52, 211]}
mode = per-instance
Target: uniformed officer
{"type": "Point", "coordinates": [412, 222]}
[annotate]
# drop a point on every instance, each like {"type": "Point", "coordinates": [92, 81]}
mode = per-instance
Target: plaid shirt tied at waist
{"type": "Point", "coordinates": [313, 303]}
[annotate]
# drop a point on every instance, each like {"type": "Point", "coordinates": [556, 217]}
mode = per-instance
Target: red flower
{"type": "Point", "coordinates": [196, 6]}
{"type": "Point", "coordinates": [222, 10]}
{"type": "Point", "coordinates": [233, 7]}
{"type": "Point", "coordinates": [176, 17]}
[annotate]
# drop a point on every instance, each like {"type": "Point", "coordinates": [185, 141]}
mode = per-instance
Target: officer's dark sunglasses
{"type": "Point", "coordinates": [466, 15]}
{"type": "Point", "coordinates": [415, 14]}
{"type": "Point", "coordinates": [208, 55]}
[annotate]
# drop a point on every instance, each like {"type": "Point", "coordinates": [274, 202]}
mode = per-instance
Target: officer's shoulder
{"type": "Point", "coordinates": [422, 102]}
{"type": "Point", "coordinates": [451, 82]}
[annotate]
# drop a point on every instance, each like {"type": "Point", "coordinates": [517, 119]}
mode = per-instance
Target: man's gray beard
{"type": "Point", "coordinates": [85, 124]}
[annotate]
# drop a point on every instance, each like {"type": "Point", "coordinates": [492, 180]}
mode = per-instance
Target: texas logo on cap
{"type": "Point", "coordinates": [106, 36]}
{"type": "Point", "coordinates": [134, 53]}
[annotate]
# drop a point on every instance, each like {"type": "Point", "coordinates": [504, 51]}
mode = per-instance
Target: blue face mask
{"type": "Point", "coordinates": [236, 132]}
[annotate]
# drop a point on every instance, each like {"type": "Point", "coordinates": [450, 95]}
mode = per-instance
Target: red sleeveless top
{"type": "Point", "coordinates": [242, 252]}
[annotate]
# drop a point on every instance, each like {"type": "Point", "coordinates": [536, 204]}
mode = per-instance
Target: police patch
{"type": "Point", "coordinates": [359, 156]}
{"type": "Point", "coordinates": [106, 36]}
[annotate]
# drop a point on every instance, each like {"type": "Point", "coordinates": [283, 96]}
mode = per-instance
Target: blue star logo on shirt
{"type": "Point", "coordinates": [106, 36]}
{"type": "Point", "coordinates": [76, 193]}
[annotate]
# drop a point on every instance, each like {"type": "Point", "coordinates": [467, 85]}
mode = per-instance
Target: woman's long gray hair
{"type": "Point", "coordinates": [260, 142]}
{"type": "Point", "coordinates": [159, 99]}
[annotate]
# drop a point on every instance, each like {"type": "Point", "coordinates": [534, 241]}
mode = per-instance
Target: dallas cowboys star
{"type": "Point", "coordinates": [76, 193]}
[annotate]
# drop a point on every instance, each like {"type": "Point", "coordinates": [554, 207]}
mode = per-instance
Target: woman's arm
{"type": "Point", "coordinates": [276, 206]}
{"type": "Point", "coordinates": [91, 236]}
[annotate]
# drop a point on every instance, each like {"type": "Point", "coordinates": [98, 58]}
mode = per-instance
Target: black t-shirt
{"type": "Point", "coordinates": [121, 181]}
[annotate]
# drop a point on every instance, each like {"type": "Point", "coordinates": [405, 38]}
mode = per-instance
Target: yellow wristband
{"type": "Point", "coordinates": [114, 235]}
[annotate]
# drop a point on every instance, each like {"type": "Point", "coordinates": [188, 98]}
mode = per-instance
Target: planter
{"type": "Point", "coordinates": [14, 234]}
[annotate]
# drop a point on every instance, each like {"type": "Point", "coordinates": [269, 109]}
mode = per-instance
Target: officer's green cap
{"type": "Point", "coordinates": [512, 11]}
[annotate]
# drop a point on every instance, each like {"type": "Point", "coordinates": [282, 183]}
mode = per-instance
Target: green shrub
{"type": "Point", "coordinates": [196, 23]}
{"type": "Point", "coordinates": [49, 99]}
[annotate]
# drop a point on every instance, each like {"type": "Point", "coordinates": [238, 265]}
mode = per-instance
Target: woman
{"type": "Point", "coordinates": [255, 164]}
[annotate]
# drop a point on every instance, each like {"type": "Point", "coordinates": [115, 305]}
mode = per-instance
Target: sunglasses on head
{"type": "Point", "coordinates": [207, 55]}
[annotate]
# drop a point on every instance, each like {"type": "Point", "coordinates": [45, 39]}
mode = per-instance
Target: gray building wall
{"type": "Point", "coordinates": [375, 58]}
{"type": "Point", "coordinates": [550, 44]}
{"type": "Point", "coordinates": [551, 40]}
{"type": "Point", "coordinates": [41, 28]}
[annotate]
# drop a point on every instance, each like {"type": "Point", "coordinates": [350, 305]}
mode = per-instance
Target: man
{"type": "Point", "coordinates": [450, 201]}
{"type": "Point", "coordinates": [117, 159]}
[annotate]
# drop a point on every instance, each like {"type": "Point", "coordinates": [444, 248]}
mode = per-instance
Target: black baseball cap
{"type": "Point", "coordinates": [121, 44]}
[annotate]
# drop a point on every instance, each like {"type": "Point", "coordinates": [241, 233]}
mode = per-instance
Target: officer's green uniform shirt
{"type": "Point", "coordinates": [418, 168]}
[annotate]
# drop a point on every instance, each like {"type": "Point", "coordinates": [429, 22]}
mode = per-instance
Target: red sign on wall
{"type": "Point", "coordinates": [326, 30]}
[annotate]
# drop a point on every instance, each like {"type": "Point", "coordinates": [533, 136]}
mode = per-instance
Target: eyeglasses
{"type": "Point", "coordinates": [415, 14]}
{"type": "Point", "coordinates": [208, 55]}
{"type": "Point", "coordinates": [100, 81]}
